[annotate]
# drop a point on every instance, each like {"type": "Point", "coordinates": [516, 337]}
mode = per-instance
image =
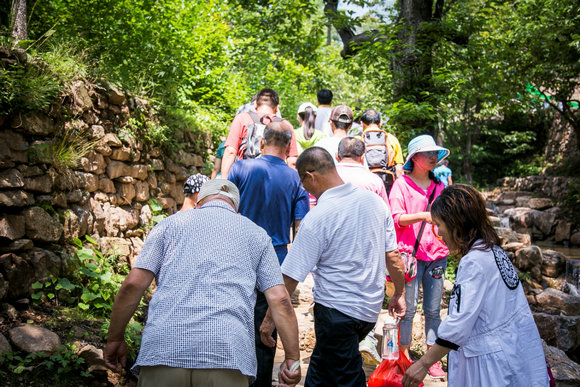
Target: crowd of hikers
{"type": "Point", "coordinates": [359, 213]}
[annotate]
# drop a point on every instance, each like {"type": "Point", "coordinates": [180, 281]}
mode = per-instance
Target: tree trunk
{"type": "Point", "coordinates": [19, 28]}
{"type": "Point", "coordinates": [413, 60]}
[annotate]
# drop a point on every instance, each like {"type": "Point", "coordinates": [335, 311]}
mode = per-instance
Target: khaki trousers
{"type": "Point", "coordinates": [161, 376]}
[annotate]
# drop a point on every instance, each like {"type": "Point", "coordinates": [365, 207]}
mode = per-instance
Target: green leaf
{"type": "Point", "coordinates": [64, 283]}
{"type": "Point", "coordinates": [91, 240]}
{"type": "Point", "coordinates": [77, 242]}
{"type": "Point", "coordinates": [19, 369]}
{"type": "Point", "coordinates": [37, 285]}
{"type": "Point", "coordinates": [83, 306]}
{"type": "Point", "coordinates": [36, 296]}
{"type": "Point", "coordinates": [50, 296]}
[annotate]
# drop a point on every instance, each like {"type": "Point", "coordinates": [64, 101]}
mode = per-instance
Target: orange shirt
{"type": "Point", "coordinates": [239, 131]}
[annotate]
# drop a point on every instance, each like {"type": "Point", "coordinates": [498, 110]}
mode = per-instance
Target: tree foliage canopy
{"type": "Point", "coordinates": [475, 73]}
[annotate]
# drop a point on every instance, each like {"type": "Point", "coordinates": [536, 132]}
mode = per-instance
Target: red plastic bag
{"type": "Point", "coordinates": [390, 372]}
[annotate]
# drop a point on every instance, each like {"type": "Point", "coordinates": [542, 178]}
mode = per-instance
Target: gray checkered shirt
{"type": "Point", "coordinates": [208, 263]}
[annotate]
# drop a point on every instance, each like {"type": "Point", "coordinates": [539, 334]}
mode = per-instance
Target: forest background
{"type": "Point", "coordinates": [486, 77]}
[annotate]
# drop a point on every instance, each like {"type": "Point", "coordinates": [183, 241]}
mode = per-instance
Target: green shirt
{"type": "Point", "coordinates": [303, 143]}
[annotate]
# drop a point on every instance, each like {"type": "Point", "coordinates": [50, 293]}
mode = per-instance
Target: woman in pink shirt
{"type": "Point", "coordinates": [410, 200]}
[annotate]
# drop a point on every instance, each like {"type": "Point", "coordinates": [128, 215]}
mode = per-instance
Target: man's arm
{"type": "Point", "coordinates": [396, 270]}
{"type": "Point", "coordinates": [228, 160]}
{"type": "Point", "coordinates": [126, 302]}
{"type": "Point", "coordinates": [216, 168]}
{"type": "Point", "coordinates": [282, 312]}
{"type": "Point", "coordinates": [398, 170]}
{"type": "Point", "coordinates": [449, 180]}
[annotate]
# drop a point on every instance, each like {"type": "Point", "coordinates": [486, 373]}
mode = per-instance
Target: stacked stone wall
{"type": "Point", "coordinates": [106, 193]}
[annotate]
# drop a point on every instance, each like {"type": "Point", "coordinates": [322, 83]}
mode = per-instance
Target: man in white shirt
{"type": "Point", "coordinates": [346, 241]}
{"type": "Point", "coordinates": [324, 97]}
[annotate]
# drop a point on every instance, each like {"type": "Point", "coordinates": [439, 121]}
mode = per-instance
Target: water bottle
{"type": "Point", "coordinates": [390, 341]}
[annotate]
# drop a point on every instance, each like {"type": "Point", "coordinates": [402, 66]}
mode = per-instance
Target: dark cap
{"type": "Point", "coordinates": [341, 113]}
{"type": "Point", "coordinates": [193, 183]}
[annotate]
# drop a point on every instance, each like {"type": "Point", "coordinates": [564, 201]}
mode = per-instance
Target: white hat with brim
{"type": "Point", "coordinates": [302, 108]}
{"type": "Point", "coordinates": [423, 143]}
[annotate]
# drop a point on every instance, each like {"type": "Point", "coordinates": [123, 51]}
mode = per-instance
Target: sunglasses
{"type": "Point", "coordinates": [431, 154]}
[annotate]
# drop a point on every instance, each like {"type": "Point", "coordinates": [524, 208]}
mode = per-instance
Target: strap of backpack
{"type": "Point", "coordinates": [423, 222]}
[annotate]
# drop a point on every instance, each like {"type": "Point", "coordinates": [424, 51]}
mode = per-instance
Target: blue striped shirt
{"type": "Point", "coordinates": [207, 263]}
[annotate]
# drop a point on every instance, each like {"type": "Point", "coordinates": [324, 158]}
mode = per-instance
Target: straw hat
{"type": "Point", "coordinates": [423, 143]}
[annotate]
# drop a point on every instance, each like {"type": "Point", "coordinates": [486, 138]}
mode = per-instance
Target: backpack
{"type": "Point", "coordinates": [379, 152]}
{"type": "Point", "coordinates": [250, 146]}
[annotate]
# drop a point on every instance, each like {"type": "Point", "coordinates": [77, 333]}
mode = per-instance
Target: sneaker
{"type": "Point", "coordinates": [368, 350]}
{"type": "Point", "coordinates": [435, 371]}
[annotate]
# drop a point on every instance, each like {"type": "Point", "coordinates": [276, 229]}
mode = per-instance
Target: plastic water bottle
{"type": "Point", "coordinates": [390, 341]}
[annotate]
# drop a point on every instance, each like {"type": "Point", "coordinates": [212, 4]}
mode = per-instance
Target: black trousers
{"type": "Point", "coordinates": [336, 360]}
{"type": "Point", "coordinates": [264, 354]}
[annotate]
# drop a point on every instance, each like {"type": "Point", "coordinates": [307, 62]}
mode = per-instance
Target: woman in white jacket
{"type": "Point", "coordinates": [490, 333]}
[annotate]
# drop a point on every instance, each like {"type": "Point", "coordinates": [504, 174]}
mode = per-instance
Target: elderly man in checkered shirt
{"type": "Point", "coordinates": [207, 265]}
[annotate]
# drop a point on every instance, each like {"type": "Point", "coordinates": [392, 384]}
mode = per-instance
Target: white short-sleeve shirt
{"type": "Point", "coordinates": [343, 241]}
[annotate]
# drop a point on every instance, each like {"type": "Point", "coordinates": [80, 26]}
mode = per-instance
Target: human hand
{"type": "Point", "coordinates": [290, 373]}
{"type": "Point", "coordinates": [397, 306]}
{"type": "Point", "coordinates": [427, 217]}
{"type": "Point", "coordinates": [415, 374]}
{"type": "Point", "coordinates": [266, 330]}
{"type": "Point", "coordinates": [115, 351]}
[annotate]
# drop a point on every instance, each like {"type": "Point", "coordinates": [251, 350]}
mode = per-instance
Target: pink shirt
{"type": "Point", "coordinates": [406, 197]}
{"type": "Point", "coordinates": [360, 176]}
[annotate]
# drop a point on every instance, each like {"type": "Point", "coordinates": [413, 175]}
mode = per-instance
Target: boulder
{"type": "Point", "coordinates": [12, 226]}
{"type": "Point", "coordinates": [157, 165]}
{"type": "Point", "coordinates": [137, 244]}
{"type": "Point", "coordinates": [97, 132]}
{"type": "Point", "coordinates": [16, 198]}
{"type": "Point", "coordinates": [563, 231]}
{"type": "Point", "coordinates": [3, 287]}
{"type": "Point", "coordinates": [94, 162]}
{"type": "Point", "coordinates": [40, 152]}
{"type": "Point", "coordinates": [86, 181]}
{"type": "Point", "coordinates": [115, 246]}
{"type": "Point", "coordinates": [540, 203]}
{"type": "Point", "coordinates": [118, 219]}
{"type": "Point", "coordinates": [5, 346]}
{"type": "Point", "coordinates": [168, 203]}
{"type": "Point", "coordinates": [41, 226]}
{"type": "Point", "coordinates": [553, 263]}
{"type": "Point", "coordinates": [106, 185]}
{"type": "Point", "coordinates": [185, 158]}
{"type": "Point", "coordinates": [121, 154]}
{"type": "Point", "coordinates": [30, 170]}
{"type": "Point", "coordinates": [13, 149]}
{"type": "Point", "coordinates": [11, 178]}
{"type": "Point", "coordinates": [575, 238]}
{"type": "Point", "coordinates": [559, 331]}
{"type": "Point", "coordinates": [93, 357]}
{"type": "Point", "coordinates": [45, 264]}
{"type": "Point", "coordinates": [117, 169]}
{"type": "Point", "coordinates": [513, 246]}
{"type": "Point", "coordinates": [35, 123]}
{"type": "Point", "coordinates": [523, 201]}
{"type": "Point", "coordinates": [116, 97]}
{"type": "Point", "coordinates": [16, 246]}
{"type": "Point", "coordinates": [139, 171]}
{"type": "Point", "coordinates": [112, 140]}
{"type": "Point", "coordinates": [80, 95]}
{"type": "Point", "coordinates": [565, 371]}
{"type": "Point", "coordinates": [554, 301]}
{"type": "Point", "coordinates": [18, 273]}
{"type": "Point", "coordinates": [125, 193]}
{"type": "Point", "coordinates": [32, 339]}
{"type": "Point", "coordinates": [544, 221]}
{"type": "Point", "coordinates": [146, 215]}
{"type": "Point", "coordinates": [77, 196]}
{"type": "Point", "coordinates": [528, 257]}
{"type": "Point", "coordinates": [141, 191]}
{"type": "Point", "coordinates": [39, 183]}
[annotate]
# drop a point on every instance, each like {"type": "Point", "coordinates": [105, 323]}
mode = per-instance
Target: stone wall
{"type": "Point", "coordinates": [106, 194]}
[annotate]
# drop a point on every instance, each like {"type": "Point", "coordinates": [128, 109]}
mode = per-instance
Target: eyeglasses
{"type": "Point", "coordinates": [435, 230]}
{"type": "Point", "coordinates": [431, 154]}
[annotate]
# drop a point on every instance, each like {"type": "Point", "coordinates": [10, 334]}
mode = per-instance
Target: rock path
{"type": "Point", "coordinates": [302, 299]}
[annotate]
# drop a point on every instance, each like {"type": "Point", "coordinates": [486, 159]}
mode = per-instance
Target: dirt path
{"type": "Point", "coordinates": [302, 300]}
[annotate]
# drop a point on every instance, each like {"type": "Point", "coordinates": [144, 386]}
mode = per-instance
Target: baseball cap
{"type": "Point", "coordinates": [341, 113]}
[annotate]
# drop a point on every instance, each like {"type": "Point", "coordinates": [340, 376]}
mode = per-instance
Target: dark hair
{"type": "Point", "coordinates": [278, 133]}
{"type": "Point", "coordinates": [324, 97]}
{"type": "Point", "coordinates": [462, 209]}
{"type": "Point", "coordinates": [371, 116]}
{"type": "Point", "coordinates": [314, 159]}
{"type": "Point", "coordinates": [267, 97]}
{"type": "Point", "coordinates": [342, 125]}
{"type": "Point", "coordinates": [350, 147]}
{"type": "Point", "coordinates": [309, 118]}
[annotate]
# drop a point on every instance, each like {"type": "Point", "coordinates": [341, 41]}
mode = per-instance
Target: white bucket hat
{"type": "Point", "coordinates": [423, 143]}
{"type": "Point", "coordinates": [302, 108]}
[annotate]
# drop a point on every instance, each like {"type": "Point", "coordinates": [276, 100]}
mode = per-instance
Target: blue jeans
{"type": "Point", "coordinates": [431, 276]}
